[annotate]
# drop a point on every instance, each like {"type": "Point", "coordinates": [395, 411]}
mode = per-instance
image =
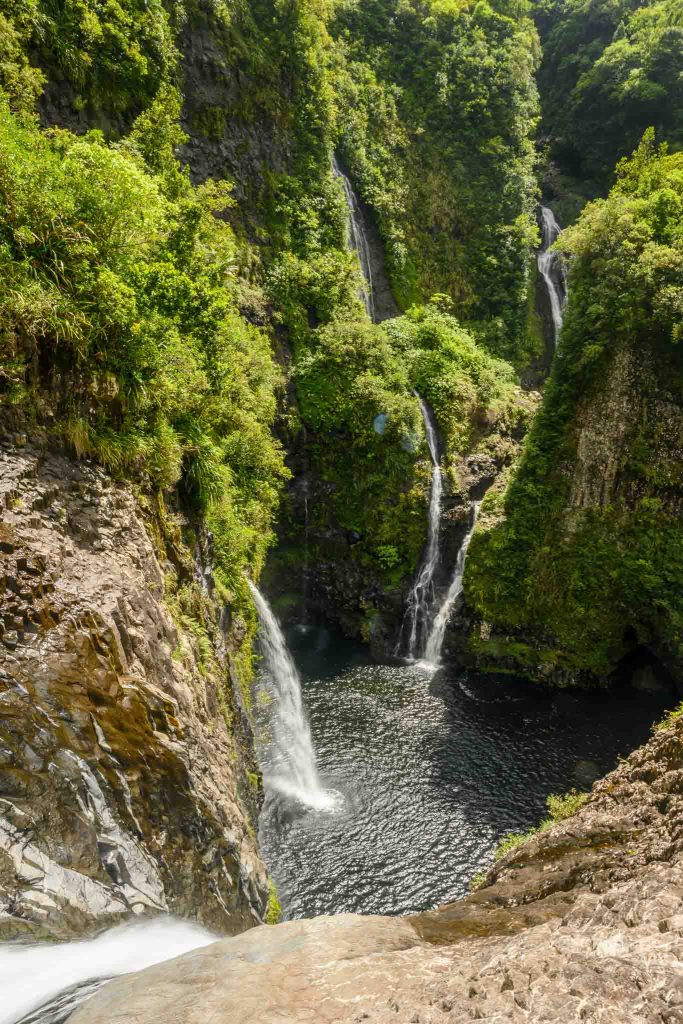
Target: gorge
{"type": "Point", "coordinates": [341, 555]}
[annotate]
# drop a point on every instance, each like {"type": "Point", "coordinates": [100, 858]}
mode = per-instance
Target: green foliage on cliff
{"type": "Point", "coordinates": [127, 281]}
{"type": "Point", "coordinates": [356, 389]}
{"type": "Point", "coordinates": [437, 113]}
{"type": "Point", "coordinates": [469, 390]}
{"type": "Point", "coordinates": [560, 807]}
{"type": "Point", "coordinates": [119, 322]}
{"type": "Point", "coordinates": [108, 59]}
{"type": "Point", "coordinates": [274, 910]}
{"type": "Point", "coordinates": [611, 69]}
{"type": "Point", "coordinates": [584, 555]}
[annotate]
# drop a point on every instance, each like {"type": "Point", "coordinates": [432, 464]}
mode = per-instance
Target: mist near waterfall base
{"type": "Point", "coordinates": [432, 771]}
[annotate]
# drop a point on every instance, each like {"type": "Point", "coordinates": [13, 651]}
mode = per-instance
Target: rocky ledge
{"type": "Point", "coordinates": [583, 922]}
{"type": "Point", "coordinates": [126, 785]}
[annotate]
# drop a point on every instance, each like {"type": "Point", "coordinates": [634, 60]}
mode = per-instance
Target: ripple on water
{"type": "Point", "coordinates": [431, 770]}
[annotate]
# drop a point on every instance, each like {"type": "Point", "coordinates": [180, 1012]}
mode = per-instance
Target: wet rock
{"type": "Point", "coordinates": [581, 923]}
{"type": "Point", "coordinates": [124, 783]}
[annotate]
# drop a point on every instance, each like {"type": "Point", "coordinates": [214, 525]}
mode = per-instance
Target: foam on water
{"type": "Point", "coordinates": [288, 760]}
{"type": "Point", "coordinates": [32, 975]}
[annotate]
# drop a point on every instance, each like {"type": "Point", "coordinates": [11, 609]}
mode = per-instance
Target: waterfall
{"type": "Point", "coordinates": [290, 767]}
{"type": "Point", "coordinates": [34, 975]}
{"type": "Point", "coordinates": [432, 651]}
{"type": "Point", "coordinates": [421, 596]}
{"type": "Point", "coordinates": [551, 269]}
{"type": "Point", "coordinates": [357, 238]}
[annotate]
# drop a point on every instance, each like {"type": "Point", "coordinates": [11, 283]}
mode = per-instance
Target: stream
{"type": "Point", "coordinates": [429, 771]}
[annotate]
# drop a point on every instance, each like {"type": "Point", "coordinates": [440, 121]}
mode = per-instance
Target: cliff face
{"type": "Point", "coordinates": [354, 528]}
{"type": "Point", "coordinates": [581, 922]}
{"type": "Point", "coordinates": [624, 451]}
{"type": "Point", "coordinates": [127, 782]}
{"type": "Point", "coordinates": [575, 572]}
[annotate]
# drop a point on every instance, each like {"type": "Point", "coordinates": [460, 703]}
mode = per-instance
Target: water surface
{"type": "Point", "coordinates": [431, 772]}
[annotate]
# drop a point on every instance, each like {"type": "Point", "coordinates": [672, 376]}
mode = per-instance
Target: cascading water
{"type": "Point", "coordinates": [47, 981]}
{"type": "Point", "coordinates": [289, 766]}
{"type": "Point", "coordinates": [551, 269]}
{"type": "Point", "coordinates": [432, 651]}
{"type": "Point", "coordinates": [421, 596]}
{"type": "Point", "coordinates": [357, 238]}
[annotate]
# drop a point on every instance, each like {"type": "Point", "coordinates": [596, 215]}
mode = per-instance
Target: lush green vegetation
{"type": "Point", "coordinates": [581, 559]}
{"type": "Point", "coordinates": [119, 323]}
{"type": "Point", "coordinates": [128, 282]}
{"type": "Point", "coordinates": [611, 69]}
{"type": "Point", "coordinates": [671, 717]}
{"type": "Point", "coordinates": [358, 384]}
{"type": "Point", "coordinates": [108, 60]}
{"type": "Point", "coordinates": [437, 113]}
{"type": "Point", "coordinates": [560, 807]}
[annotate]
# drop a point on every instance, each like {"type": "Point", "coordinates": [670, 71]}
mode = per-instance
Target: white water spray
{"type": "Point", "coordinates": [551, 269]}
{"type": "Point", "coordinates": [291, 767]}
{"type": "Point", "coordinates": [421, 596]}
{"type": "Point", "coordinates": [432, 653]}
{"type": "Point", "coordinates": [357, 238]}
{"type": "Point", "coordinates": [32, 975]}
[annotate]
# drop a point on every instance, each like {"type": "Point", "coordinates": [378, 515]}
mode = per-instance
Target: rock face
{"type": "Point", "coordinates": [223, 142]}
{"type": "Point", "coordinates": [581, 923]}
{"type": "Point", "coordinates": [123, 771]}
{"type": "Point", "coordinates": [623, 454]}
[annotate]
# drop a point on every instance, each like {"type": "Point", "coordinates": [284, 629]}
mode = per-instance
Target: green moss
{"type": "Point", "coordinates": [477, 881]}
{"type": "Point", "coordinates": [671, 717]}
{"type": "Point", "coordinates": [511, 841]}
{"type": "Point", "coordinates": [210, 122]}
{"type": "Point", "coordinates": [274, 911]}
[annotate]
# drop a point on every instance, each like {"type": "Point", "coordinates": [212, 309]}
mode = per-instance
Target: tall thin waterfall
{"type": "Point", "coordinates": [551, 269]}
{"type": "Point", "coordinates": [357, 238]}
{"type": "Point", "coordinates": [291, 767]}
{"type": "Point", "coordinates": [432, 651]}
{"type": "Point", "coordinates": [421, 596]}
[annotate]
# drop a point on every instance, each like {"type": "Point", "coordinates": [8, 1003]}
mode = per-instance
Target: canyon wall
{"type": "Point", "coordinates": [127, 778]}
{"type": "Point", "coordinates": [575, 571]}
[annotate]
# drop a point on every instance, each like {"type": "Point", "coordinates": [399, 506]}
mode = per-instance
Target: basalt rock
{"type": "Point", "coordinates": [580, 923]}
{"type": "Point", "coordinates": [126, 774]}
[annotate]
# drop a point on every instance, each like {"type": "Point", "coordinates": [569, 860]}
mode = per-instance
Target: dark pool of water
{"type": "Point", "coordinates": [431, 773]}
